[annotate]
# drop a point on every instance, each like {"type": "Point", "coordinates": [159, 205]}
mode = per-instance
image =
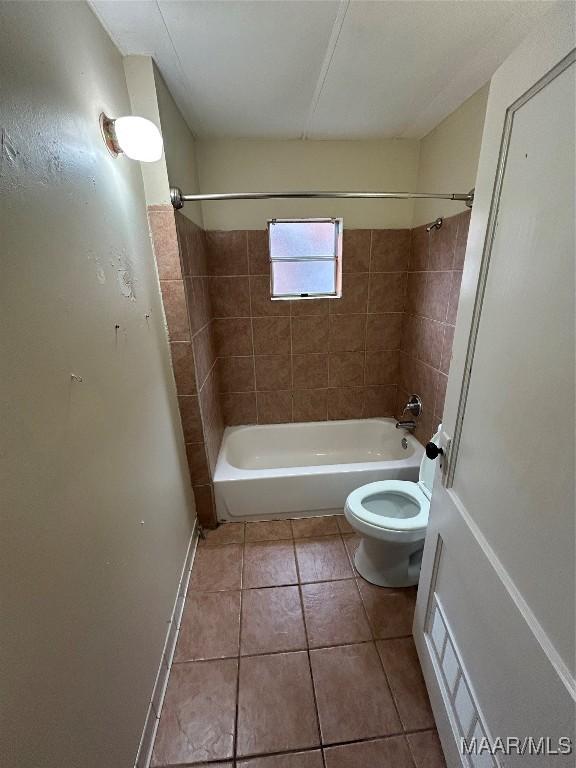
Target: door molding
{"type": "Point", "coordinates": [524, 609]}
{"type": "Point", "coordinates": [538, 86]}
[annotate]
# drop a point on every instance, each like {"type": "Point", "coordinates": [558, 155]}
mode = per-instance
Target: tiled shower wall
{"type": "Point", "coordinates": [359, 356]}
{"type": "Point", "coordinates": [241, 358]}
{"type": "Point", "coordinates": [308, 360]}
{"type": "Point", "coordinates": [180, 251]}
{"type": "Point", "coordinates": [433, 289]}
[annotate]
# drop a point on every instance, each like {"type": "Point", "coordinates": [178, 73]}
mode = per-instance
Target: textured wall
{"type": "Point", "coordinates": [449, 158]}
{"type": "Point", "coordinates": [97, 508]}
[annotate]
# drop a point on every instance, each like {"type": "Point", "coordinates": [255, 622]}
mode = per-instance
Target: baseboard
{"type": "Point", "coordinates": [155, 705]}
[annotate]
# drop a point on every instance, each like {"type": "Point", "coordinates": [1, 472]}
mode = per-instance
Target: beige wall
{"type": "Point", "coordinates": [246, 165]}
{"type": "Point", "coordinates": [139, 71]}
{"type": "Point", "coordinates": [449, 158]}
{"type": "Point", "coordinates": [149, 97]}
{"type": "Point", "coordinates": [179, 147]}
{"type": "Point", "coordinates": [443, 161]}
{"type": "Point", "coordinates": [96, 506]}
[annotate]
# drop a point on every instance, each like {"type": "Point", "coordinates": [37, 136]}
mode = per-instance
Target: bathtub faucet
{"type": "Point", "coordinates": [413, 406]}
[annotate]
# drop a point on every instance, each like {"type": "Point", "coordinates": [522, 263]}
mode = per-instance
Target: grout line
{"type": "Point", "coordinates": [206, 324]}
{"type": "Point", "coordinates": [253, 351]}
{"type": "Point", "coordinates": [390, 689]}
{"type": "Point", "coordinates": [298, 750]}
{"type": "Point", "coordinates": [319, 389]}
{"type": "Point", "coordinates": [371, 641]}
{"type": "Point", "coordinates": [291, 366]}
{"type": "Point", "coordinates": [318, 729]}
{"type": "Point", "coordinates": [207, 376]}
{"type": "Point", "coordinates": [237, 702]}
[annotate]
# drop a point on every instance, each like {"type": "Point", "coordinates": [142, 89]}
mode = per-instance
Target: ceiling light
{"type": "Point", "coordinates": [136, 137]}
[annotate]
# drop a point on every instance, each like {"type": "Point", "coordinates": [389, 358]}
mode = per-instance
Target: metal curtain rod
{"type": "Point", "coordinates": [178, 199]}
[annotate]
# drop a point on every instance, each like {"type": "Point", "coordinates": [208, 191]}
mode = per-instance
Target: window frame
{"type": "Point", "coordinates": [337, 258]}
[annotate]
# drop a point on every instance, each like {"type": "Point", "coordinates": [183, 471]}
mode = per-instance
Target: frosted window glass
{"type": "Point", "coordinates": [305, 257]}
{"type": "Point", "coordinates": [294, 278]}
{"type": "Point", "coordinates": [297, 239]}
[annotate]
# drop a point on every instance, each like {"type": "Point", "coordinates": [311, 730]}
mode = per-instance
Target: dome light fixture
{"type": "Point", "coordinates": [135, 137]}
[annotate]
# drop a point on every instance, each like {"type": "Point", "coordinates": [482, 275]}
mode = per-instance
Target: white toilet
{"type": "Point", "coordinates": [392, 516]}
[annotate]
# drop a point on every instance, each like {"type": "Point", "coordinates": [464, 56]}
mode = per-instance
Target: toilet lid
{"type": "Point", "coordinates": [395, 505]}
{"type": "Point", "coordinates": [428, 468]}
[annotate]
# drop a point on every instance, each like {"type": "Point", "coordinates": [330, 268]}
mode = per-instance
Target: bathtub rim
{"type": "Point", "coordinates": [224, 471]}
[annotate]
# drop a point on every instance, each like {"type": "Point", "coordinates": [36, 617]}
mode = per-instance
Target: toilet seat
{"type": "Point", "coordinates": [391, 517]}
{"type": "Point", "coordinates": [388, 527]}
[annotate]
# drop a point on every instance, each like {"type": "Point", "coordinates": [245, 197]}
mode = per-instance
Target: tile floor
{"type": "Point", "coordinates": [287, 658]}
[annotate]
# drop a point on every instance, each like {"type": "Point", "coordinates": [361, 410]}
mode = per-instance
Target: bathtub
{"type": "Point", "coordinates": [275, 471]}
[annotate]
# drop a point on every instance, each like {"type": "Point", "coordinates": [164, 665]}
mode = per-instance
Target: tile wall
{"type": "Point", "coordinates": [356, 357]}
{"type": "Point", "coordinates": [180, 251]}
{"type": "Point", "coordinates": [433, 289]}
{"type": "Point", "coordinates": [308, 360]}
{"type": "Point", "coordinates": [240, 358]}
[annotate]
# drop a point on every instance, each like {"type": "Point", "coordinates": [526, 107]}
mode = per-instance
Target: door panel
{"type": "Point", "coordinates": [515, 468]}
{"type": "Point", "coordinates": [494, 623]}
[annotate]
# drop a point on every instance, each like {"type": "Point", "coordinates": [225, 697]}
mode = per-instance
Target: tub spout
{"type": "Point", "coordinates": [410, 425]}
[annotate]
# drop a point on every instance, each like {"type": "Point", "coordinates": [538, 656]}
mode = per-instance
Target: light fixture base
{"type": "Point", "coordinates": [107, 129]}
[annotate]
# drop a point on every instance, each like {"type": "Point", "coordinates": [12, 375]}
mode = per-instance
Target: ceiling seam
{"type": "Point", "coordinates": [330, 50]}
{"type": "Point", "coordinates": [190, 112]}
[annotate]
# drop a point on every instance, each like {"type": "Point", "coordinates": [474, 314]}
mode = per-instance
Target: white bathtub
{"type": "Point", "coordinates": [295, 470]}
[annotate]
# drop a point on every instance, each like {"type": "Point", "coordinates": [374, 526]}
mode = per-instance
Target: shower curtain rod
{"type": "Point", "coordinates": [178, 199]}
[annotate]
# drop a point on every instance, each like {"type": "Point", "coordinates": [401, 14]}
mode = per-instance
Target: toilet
{"type": "Point", "coordinates": [391, 516]}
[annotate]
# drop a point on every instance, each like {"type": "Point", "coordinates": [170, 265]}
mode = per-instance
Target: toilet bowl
{"type": "Point", "coordinates": [391, 516]}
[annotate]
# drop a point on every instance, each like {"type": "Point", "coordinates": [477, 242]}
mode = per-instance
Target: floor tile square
{"type": "Point", "coordinates": [390, 611]}
{"type": "Point", "coordinates": [354, 701]}
{"type": "Point", "coordinates": [334, 613]}
{"type": "Point", "coordinates": [311, 759]}
{"type": "Point", "coordinates": [210, 626]}
{"type": "Point", "coordinates": [197, 722]}
{"type": "Point", "coordinates": [392, 752]}
{"type": "Point", "coordinates": [276, 710]}
{"type": "Point", "coordinates": [404, 674]}
{"type": "Point", "coordinates": [344, 525]}
{"type": "Point", "coordinates": [216, 569]}
{"type": "Point", "coordinates": [322, 559]}
{"type": "Point", "coordinates": [272, 621]}
{"type": "Point", "coordinates": [226, 533]}
{"type": "Point", "coordinates": [310, 527]}
{"type": "Point", "coordinates": [268, 530]}
{"type": "Point", "coordinates": [269, 564]}
{"type": "Point", "coordinates": [426, 749]}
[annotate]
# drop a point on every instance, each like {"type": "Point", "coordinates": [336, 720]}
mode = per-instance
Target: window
{"type": "Point", "coordinates": [305, 258]}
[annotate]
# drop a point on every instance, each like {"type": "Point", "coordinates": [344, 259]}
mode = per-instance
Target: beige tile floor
{"type": "Point", "coordinates": [287, 658]}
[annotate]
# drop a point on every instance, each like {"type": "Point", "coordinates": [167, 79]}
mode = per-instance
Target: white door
{"type": "Point", "coordinates": [494, 621]}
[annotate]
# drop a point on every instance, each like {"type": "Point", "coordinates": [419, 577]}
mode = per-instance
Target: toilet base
{"type": "Point", "coordinates": [389, 563]}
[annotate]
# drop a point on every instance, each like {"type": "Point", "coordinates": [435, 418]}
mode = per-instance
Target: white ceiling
{"type": "Point", "coordinates": [347, 69]}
